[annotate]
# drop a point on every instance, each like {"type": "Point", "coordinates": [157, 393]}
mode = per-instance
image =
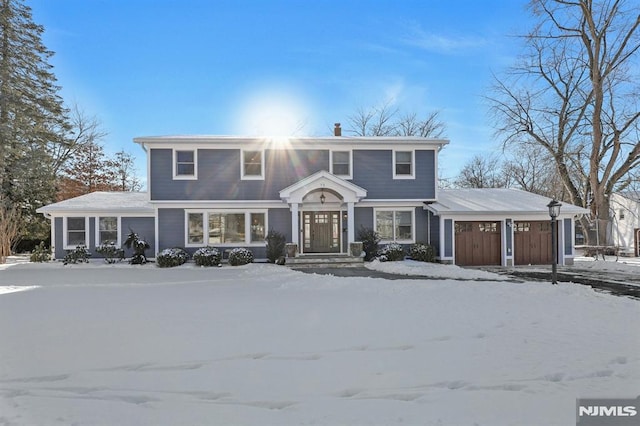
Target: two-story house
{"type": "Point", "coordinates": [319, 192]}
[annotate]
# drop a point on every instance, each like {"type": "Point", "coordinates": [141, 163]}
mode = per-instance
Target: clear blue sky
{"type": "Point", "coordinates": [160, 67]}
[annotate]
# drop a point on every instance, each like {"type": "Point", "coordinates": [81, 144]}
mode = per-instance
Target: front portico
{"type": "Point", "coordinates": [322, 206]}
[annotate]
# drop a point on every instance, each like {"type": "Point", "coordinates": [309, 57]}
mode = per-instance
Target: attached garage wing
{"type": "Point", "coordinates": [532, 243]}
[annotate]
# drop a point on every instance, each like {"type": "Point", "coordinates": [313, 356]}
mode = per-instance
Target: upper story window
{"type": "Point", "coordinates": [403, 164]}
{"type": "Point", "coordinates": [341, 163]}
{"type": "Point", "coordinates": [252, 165]}
{"type": "Point", "coordinates": [185, 164]}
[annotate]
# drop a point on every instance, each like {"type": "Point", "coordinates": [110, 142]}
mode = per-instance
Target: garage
{"type": "Point", "coordinates": [477, 243]}
{"type": "Point", "coordinates": [532, 243]}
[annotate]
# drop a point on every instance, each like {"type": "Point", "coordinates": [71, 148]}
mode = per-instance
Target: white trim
{"type": "Point", "coordinates": [221, 204]}
{"type": "Point", "coordinates": [205, 227]}
{"type": "Point", "coordinates": [310, 143]}
{"type": "Point", "coordinates": [391, 203]}
{"type": "Point", "coordinates": [252, 177]}
{"type": "Point", "coordinates": [65, 236]}
{"type": "Point", "coordinates": [399, 209]}
{"type": "Point", "coordinates": [413, 165]}
{"type": "Point", "coordinates": [175, 163]}
{"type": "Point", "coordinates": [118, 230]}
{"type": "Point", "coordinates": [350, 152]}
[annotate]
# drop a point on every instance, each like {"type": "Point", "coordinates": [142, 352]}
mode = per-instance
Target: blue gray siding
{"type": "Point", "coordinates": [373, 171]}
{"type": "Point", "coordinates": [509, 237]}
{"type": "Point", "coordinates": [58, 239]}
{"type": "Point", "coordinates": [280, 220]}
{"type": "Point", "coordinates": [144, 227]}
{"type": "Point", "coordinates": [219, 175]}
{"type": "Point", "coordinates": [171, 226]}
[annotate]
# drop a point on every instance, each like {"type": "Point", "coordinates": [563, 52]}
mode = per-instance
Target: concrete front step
{"type": "Point", "coordinates": [324, 261]}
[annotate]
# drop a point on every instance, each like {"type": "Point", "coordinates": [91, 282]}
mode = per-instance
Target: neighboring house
{"type": "Point", "coordinates": [319, 192]}
{"type": "Point", "coordinates": [624, 229]}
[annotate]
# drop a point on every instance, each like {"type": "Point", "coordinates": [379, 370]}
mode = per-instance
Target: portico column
{"type": "Point", "coordinates": [295, 227]}
{"type": "Point", "coordinates": [351, 233]}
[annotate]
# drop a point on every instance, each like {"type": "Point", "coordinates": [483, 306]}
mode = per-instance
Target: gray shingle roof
{"type": "Point", "coordinates": [103, 202]}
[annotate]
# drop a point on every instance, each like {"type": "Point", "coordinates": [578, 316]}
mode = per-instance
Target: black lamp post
{"type": "Point", "coordinates": [554, 212]}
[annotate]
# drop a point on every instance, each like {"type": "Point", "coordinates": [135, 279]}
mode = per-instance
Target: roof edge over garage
{"type": "Point", "coordinates": [495, 201]}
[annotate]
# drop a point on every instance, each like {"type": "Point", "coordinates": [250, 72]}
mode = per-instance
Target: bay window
{"type": "Point", "coordinates": [224, 228]}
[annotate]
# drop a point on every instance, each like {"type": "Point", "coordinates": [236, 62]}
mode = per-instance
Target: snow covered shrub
{"type": "Point", "coordinates": [207, 256]}
{"type": "Point", "coordinates": [40, 253]}
{"type": "Point", "coordinates": [240, 256]}
{"type": "Point", "coordinates": [275, 245]}
{"type": "Point", "coordinates": [80, 254]}
{"type": "Point", "coordinates": [139, 247]}
{"type": "Point", "coordinates": [422, 252]}
{"type": "Point", "coordinates": [111, 252]}
{"type": "Point", "coordinates": [370, 240]}
{"type": "Point", "coordinates": [168, 258]}
{"type": "Point", "coordinates": [391, 252]}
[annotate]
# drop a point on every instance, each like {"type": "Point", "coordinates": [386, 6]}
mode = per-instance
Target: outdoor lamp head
{"type": "Point", "coordinates": [554, 208]}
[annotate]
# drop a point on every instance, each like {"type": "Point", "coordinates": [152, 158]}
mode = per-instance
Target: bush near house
{"type": "Point", "coordinates": [240, 256]}
{"type": "Point", "coordinates": [422, 252]}
{"type": "Point", "coordinates": [139, 247]}
{"type": "Point", "coordinates": [370, 242]}
{"type": "Point", "coordinates": [391, 253]}
{"type": "Point", "coordinates": [275, 245]}
{"type": "Point", "coordinates": [168, 258]}
{"type": "Point", "coordinates": [79, 255]}
{"type": "Point", "coordinates": [40, 253]}
{"type": "Point", "coordinates": [207, 256]}
{"type": "Point", "coordinates": [111, 252]}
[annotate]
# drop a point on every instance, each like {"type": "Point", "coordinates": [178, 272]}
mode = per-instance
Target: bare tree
{"type": "Point", "coordinates": [573, 94]}
{"type": "Point", "coordinates": [482, 172]}
{"type": "Point", "coordinates": [532, 169]}
{"type": "Point", "coordinates": [84, 130]}
{"type": "Point", "coordinates": [385, 120]}
{"type": "Point", "coordinates": [124, 168]}
{"type": "Point", "coordinates": [429, 127]}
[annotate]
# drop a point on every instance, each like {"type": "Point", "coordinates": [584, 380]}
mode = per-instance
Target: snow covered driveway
{"type": "Point", "coordinates": [264, 345]}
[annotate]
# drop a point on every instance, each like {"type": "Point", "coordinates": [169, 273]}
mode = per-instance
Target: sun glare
{"type": "Point", "coordinates": [272, 114]}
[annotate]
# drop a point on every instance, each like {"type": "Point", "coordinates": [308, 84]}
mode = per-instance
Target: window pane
{"type": "Point", "coordinates": [403, 226]}
{"type": "Point", "coordinates": [184, 156]}
{"type": "Point", "coordinates": [226, 228]}
{"type": "Point", "coordinates": [185, 163]}
{"type": "Point", "coordinates": [257, 227]}
{"type": "Point", "coordinates": [195, 226]}
{"type": "Point", "coordinates": [384, 225]}
{"type": "Point", "coordinates": [253, 163]}
{"type": "Point", "coordinates": [108, 223]}
{"type": "Point", "coordinates": [76, 238]}
{"type": "Point", "coordinates": [75, 223]}
{"type": "Point", "coordinates": [403, 162]}
{"type": "Point", "coordinates": [185, 169]}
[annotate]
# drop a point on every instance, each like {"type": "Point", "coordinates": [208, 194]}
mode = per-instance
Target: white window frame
{"type": "Point", "coordinates": [65, 232]}
{"type": "Point", "coordinates": [252, 177]}
{"type": "Point", "coordinates": [118, 241]}
{"type": "Point", "coordinates": [247, 227]}
{"type": "Point", "coordinates": [413, 164]}
{"type": "Point", "coordinates": [394, 210]}
{"type": "Point", "coordinates": [176, 176]}
{"type": "Point", "coordinates": [350, 152]}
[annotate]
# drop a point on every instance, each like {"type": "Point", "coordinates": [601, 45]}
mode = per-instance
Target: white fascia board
{"type": "Point", "coordinates": [337, 143]}
{"type": "Point", "coordinates": [391, 203]}
{"type": "Point", "coordinates": [220, 204]}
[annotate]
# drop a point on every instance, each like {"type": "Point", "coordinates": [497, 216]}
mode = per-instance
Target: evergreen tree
{"type": "Point", "coordinates": [32, 116]}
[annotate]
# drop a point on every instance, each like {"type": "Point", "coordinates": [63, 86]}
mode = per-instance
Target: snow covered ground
{"type": "Point", "coordinates": [264, 345]}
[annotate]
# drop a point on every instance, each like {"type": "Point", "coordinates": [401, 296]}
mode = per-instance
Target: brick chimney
{"type": "Point", "coordinates": [338, 130]}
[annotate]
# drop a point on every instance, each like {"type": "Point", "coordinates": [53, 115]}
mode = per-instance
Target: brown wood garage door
{"type": "Point", "coordinates": [477, 243]}
{"type": "Point", "coordinates": [532, 243]}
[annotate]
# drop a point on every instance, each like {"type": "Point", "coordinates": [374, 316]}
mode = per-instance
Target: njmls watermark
{"type": "Point", "coordinates": [607, 412]}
